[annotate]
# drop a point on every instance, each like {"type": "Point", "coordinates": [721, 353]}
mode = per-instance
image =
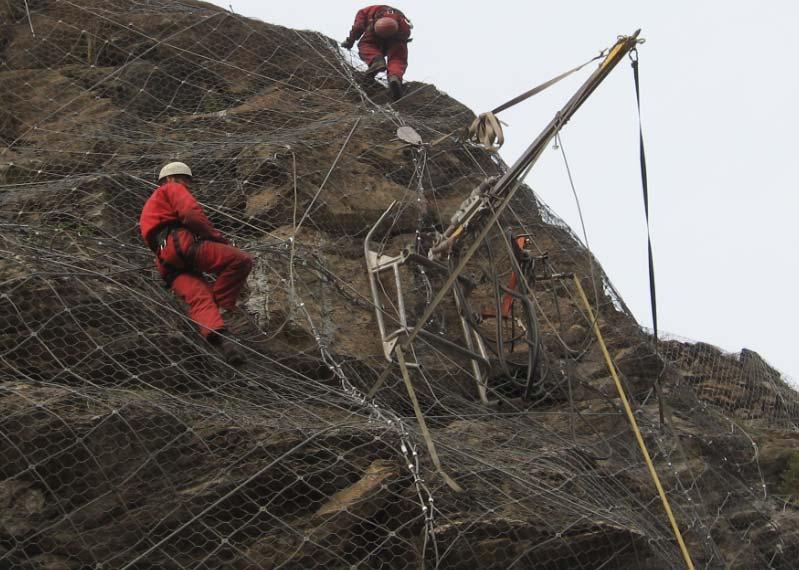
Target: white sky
{"type": "Point", "coordinates": [719, 97]}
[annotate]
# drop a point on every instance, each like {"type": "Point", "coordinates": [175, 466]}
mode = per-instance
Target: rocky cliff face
{"type": "Point", "coordinates": [128, 443]}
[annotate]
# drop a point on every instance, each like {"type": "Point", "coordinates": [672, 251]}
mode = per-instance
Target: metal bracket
{"type": "Point", "coordinates": [474, 349]}
{"type": "Point", "coordinates": [477, 202]}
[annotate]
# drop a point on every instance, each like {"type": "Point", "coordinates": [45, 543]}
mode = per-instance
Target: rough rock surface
{"type": "Point", "coordinates": [126, 442]}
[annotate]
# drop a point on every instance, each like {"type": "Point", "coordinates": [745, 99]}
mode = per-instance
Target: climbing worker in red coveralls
{"type": "Point", "coordinates": [385, 33]}
{"type": "Point", "coordinates": [186, 245]}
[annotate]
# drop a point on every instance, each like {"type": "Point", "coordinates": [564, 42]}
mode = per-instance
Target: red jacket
{"type": "Point", "coordinates": [365, 19]}
{"type": "Point", "coordinates": [172, 202]}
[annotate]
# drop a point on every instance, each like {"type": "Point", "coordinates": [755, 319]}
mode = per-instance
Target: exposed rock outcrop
{"type": "Point", "coordinates": [126, 442]}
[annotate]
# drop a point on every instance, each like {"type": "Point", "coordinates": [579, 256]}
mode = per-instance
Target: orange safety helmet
{"type": "Point", "coordinates": [386, 27]}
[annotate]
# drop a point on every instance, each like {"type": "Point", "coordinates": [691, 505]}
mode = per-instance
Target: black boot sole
{"type": "Point", "coordinates": [372, 72]}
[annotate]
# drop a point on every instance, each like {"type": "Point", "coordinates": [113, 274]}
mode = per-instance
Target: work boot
{"type": "Point", "coordinates": [233, 354]}
{"type": "Point", "coordinates": [395, 84]}
{"type": "Point", "coordinates": [237, 321]}
{"type": "Point", "coordinates": [378, 64]}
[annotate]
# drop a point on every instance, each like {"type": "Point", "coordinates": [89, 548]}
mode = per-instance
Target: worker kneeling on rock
{"type": "Point", "coordinates": [186, 246]}
{"type": "Point", "coordinates": [385, 33]}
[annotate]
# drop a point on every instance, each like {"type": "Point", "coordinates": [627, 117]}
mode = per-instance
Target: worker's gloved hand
{"type": "Point", "coordinates": [347, 44]}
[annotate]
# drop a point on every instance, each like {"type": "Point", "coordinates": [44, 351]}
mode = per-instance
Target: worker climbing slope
{"type": "Point", "coordinates": [384, 33]}
{"type": "Point", "coordinates": [186, 246]}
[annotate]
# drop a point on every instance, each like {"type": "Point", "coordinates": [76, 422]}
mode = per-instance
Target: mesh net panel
{"type": "Point", "coordinates": [128, 442]}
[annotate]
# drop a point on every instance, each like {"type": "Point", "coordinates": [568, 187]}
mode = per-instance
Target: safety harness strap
{"type": "Point", "coordinates": [186, 257]}
{"type": "Point", "coordinates": [158, 242]}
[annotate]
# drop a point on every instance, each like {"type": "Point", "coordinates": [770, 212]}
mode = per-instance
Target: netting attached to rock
{"type": "Point", "coordinates": [127, 442]}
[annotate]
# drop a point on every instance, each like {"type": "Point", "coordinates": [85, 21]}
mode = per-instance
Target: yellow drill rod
{"type": "Point", "coordinates": [689, 563]}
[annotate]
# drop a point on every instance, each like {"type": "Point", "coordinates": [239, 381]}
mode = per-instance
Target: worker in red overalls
{"type": "Point", "coordinates": [186, 245]}
{"type": "Point", "coordinates": [385, 33]}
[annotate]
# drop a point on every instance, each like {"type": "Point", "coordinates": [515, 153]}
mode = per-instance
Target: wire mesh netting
{"type": "Point", "coordinates": [741, 385]}
{"type": "Point", "coordinates": [128, 442]}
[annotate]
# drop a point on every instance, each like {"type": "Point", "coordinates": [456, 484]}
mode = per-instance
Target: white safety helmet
{"type": "Point", "coordinates": [174, 168]}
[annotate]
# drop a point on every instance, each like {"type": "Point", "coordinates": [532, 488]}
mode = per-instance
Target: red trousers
{"type": "Point", "coordinates": [230, 265]}
{"type": "Point", "coordinates": [395, 51]}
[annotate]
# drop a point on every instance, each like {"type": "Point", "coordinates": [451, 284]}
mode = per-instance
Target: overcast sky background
{"type": "Point", "coordinates": [719, 96]}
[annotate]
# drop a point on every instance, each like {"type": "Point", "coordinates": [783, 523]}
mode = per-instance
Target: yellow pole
{"type": "Point", "coordinates": [689, 563]}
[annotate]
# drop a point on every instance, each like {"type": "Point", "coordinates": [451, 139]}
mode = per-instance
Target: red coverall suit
{"type": "Point", "coordinates": [371, 46]}
{"type": "Point", "coordinates": [175, 227]}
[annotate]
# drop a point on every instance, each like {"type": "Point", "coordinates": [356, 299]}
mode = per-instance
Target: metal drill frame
{"type": "Point", "coordinates": [475, 350]}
